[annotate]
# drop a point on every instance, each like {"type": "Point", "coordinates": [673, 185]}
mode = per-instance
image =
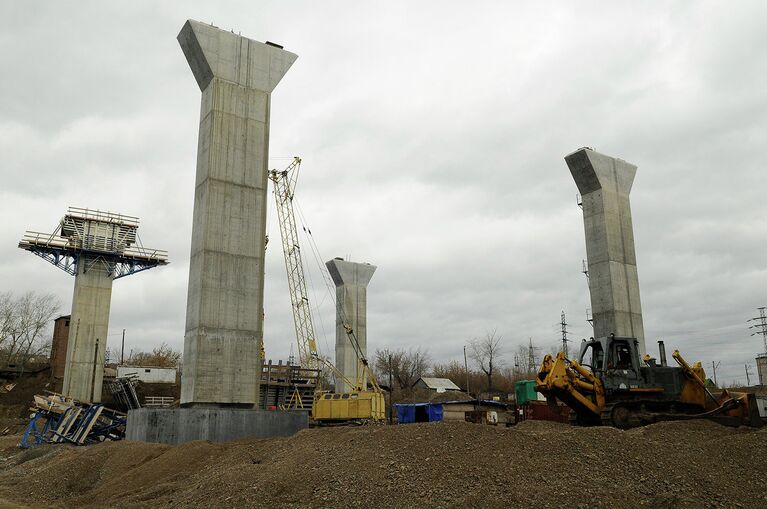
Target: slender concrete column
{"type": "Point", "coordinates": [88, 326]}
{"type": "Point", "coordinates": [224, 317]}
{"type": "Point", "coordinates": [605, 183]}
{"type": "Point", "coordinates": [351, 281]}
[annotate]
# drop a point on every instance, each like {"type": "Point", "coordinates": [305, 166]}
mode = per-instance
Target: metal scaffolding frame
{"type": "Point", "coordinates": [94, 237]}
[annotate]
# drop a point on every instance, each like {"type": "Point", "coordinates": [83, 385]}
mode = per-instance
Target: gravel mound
{"type": "Point", "coordinates": [535, 464]}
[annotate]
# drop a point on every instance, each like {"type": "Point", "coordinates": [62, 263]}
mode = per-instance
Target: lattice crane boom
{"type": "Point", "coordinates": [284, 188]}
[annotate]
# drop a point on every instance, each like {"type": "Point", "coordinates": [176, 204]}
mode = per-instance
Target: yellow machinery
{"type": "Point", "coordinates": [608, 385]}
{"type": "Point", "coordinates": [360, 404]}
{"type": "Point", "coordinates": [349, 406]}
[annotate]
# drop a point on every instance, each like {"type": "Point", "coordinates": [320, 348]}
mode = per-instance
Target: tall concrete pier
{"type": "Point", "coordinates": [605, 183]}
{"type": "Point", "coordinates": [87, 343]}
{"type": "Point", "coordinates": [224, 316]}
{"type": "Point", "coordinates": [96, 247]}
{"type": "Point", "coordinates": [351, 280]}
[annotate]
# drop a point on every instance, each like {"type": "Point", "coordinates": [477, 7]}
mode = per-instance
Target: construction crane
{"type": "Point", "coordinates": [359, 404]}
{"type": "Point", "coordinates": [284, 189]}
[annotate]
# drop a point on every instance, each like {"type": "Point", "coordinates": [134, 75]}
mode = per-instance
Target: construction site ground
{"type": "Point", "coordinates": [535, 464]}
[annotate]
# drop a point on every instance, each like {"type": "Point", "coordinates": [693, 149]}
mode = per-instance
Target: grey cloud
{"type": "Point", "coordinates": [433, 138]}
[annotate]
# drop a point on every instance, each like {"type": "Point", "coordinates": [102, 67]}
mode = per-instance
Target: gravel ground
{"type": "Point", "coordinates": [535, 464]}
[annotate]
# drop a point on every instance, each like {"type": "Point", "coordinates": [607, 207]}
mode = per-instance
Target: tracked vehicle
{"type": "Point", "coordinates": [609, 385]}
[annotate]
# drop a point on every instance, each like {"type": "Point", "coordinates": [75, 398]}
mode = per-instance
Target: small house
{"type": "Point", "coordinates": [438, 385]}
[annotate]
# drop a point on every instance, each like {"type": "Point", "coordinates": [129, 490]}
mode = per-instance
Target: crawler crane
{"type": "Point", "coordinates": [360, 404]}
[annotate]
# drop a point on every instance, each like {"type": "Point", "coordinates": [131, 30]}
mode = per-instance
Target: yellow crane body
{"type": "Point", "coordinates": [349, 406]}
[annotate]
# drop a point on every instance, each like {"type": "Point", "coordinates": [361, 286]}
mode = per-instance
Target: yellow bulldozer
{"type": "Point", "coordinates": [608, 385]}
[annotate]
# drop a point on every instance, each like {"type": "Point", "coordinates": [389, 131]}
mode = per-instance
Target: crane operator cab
{"type": "Point", "coordinates": [615, 359]}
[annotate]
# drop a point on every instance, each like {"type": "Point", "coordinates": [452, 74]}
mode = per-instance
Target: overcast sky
{"type": "Point", "coordinates": [433, 136]}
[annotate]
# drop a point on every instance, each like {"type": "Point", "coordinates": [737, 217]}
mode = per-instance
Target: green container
{"type": "Point", "coordinates": [524, 390]}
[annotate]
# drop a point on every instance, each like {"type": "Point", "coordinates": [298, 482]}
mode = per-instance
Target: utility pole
{"type": "Point", "coordinates": [714, 366]}
{"type": "Point", "coordinates": [530, 358]}
{"type": "Point", "coordinates": [563, 323]}
{"type": "Point", "coordinates": [760, 325]}
{"type": "Point", "coordinates": [391, 391]}
{"type": "Point", "coordinates": [122, 350]}
{"type": "Point", "coordinates": [466, 367]}
{"type": "Point", "coordinates": [748, 377]}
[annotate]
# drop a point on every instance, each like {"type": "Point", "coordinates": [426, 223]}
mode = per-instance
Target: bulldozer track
{"type": "Point", "coordinates": [632, 414]}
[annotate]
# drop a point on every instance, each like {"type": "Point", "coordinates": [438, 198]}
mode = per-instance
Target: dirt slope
{"type": "Point", "coordinates": [536, 464]}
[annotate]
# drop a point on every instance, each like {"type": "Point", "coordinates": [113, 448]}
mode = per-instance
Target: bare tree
{"type": "Point", "coordinates": [8, 320]}
{"type": "Point", "coordinates": [486, 353]}
{"type": "Point", "coordinates": [24, 326]}
{"type": "Point", "coordinates": [162, 356]}
{"type": "Point", "coordinates": [407, 366]}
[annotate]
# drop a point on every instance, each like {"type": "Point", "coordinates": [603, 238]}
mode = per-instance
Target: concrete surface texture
{"type": "Point", "coordinates": [180, 425]}
{"type": "Point", "coordinates": [224, 318]}
{"type": "Point", "coordinates": [351, 280]}
{"type": "Point", "coordinates": [604, 183]}
{"type": "Point", "coordinates": [88, 325]}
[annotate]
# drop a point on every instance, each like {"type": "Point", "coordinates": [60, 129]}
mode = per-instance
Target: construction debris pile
{"type": "Point", "coordinates": [58, 419]}
{"type": "Point", "coordinates": [535, 464]}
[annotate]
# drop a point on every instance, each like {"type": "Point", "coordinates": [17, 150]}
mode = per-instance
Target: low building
{"type": "Point", "coordinates": [436, 384]}
{"type": "Point", "coordinates": [761, 368]}
{"type": "Point", "coordinates": [58, 357]}
{"type": "Point", "coordinates": [459, 410]}
{"type": "Point", "coordinates": [148, 374]}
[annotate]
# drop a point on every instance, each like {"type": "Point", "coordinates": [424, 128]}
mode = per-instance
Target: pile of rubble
{"type": "Point", "coordinates": [535, 464]}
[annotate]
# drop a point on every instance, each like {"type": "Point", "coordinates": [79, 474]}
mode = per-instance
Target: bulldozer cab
{"type": "Point", "coordinates": [592, 355]}
{"type": "Point", "coordinates": [616, 358]}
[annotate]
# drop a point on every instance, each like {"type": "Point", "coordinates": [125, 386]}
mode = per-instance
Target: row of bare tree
{"type": "Point", "coordinates": [489, 370]}
{"type": "Point", "coordinates": [162, 356]}
{"type": "Point", "coordinates": [25, 323]}
{"type": "Point", "coordinates": [25, 334]}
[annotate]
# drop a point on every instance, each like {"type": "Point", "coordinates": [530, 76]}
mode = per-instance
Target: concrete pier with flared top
{"type": "Point", "coordinates": [604, 183]}
{"type": "Point", "coordinates": [224, 318]}
{"type": "Point", "coordinates": [96, 247]}
{"type": "Point", "coordinates": [351, 280]}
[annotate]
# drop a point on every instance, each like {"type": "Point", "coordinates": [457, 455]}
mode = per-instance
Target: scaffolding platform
{"type": "Point", "coordinates": [287, 386]}
{"type": "Point", "coordinates": [98, 237]}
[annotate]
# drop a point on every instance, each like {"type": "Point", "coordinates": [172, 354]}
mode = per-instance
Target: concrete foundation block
{"type": "Point", "coordinates": [180, 425]}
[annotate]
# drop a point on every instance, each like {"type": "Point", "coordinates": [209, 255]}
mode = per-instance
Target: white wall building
{"type": "Point", "coordinates": [149, 374]}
